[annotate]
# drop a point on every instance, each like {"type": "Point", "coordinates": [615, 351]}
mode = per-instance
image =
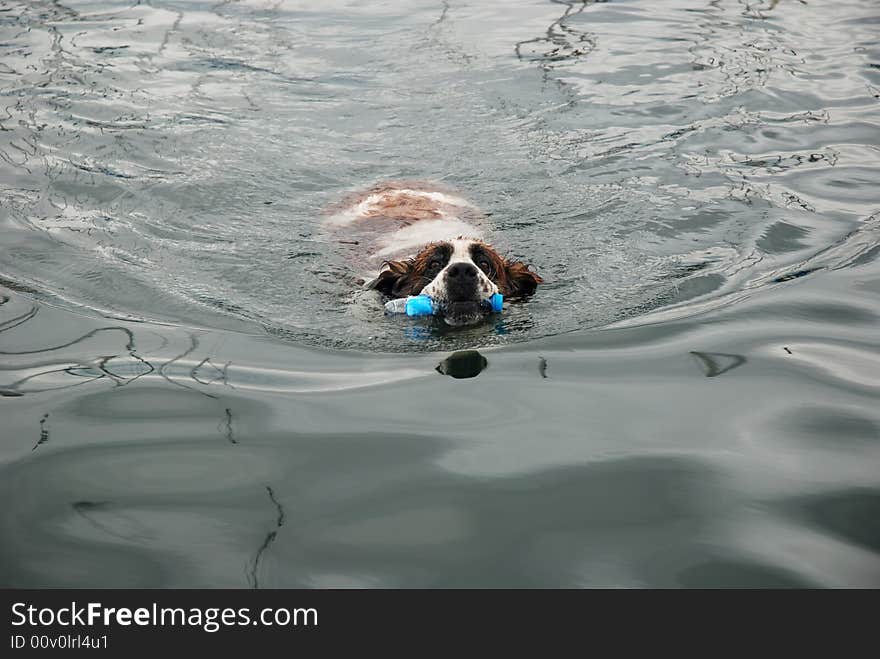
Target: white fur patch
{"type": "Point", "coordinates": [419, 234]}
{"type": "Point", "coordinates": [461, 253]}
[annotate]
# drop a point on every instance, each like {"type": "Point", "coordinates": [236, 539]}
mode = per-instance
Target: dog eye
{"type": "Point", "coordinates": [485, 265]}
{"type": "Point", "coordinates": [434, 265]}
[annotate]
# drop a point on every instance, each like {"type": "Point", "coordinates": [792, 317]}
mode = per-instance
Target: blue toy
{"type": "Point", "coordinates": [422, 305]}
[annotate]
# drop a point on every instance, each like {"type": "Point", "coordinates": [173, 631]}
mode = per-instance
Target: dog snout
{"type": "Point", "coordinates": [462, 282]}
{"type": "Point", "coordinates": [462, 272]}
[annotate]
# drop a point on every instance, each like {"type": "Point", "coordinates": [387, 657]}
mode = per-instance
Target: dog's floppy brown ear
{"type": "Point", "coordinates": [395, 280]}
{"type": "Point", "coordinates": [519, 281]}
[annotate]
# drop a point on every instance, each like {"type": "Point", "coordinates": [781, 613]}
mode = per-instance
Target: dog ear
{"type": "Point", "coordinates": [395, 280]}
{"type": "Point", "coordinates": [519, 281]}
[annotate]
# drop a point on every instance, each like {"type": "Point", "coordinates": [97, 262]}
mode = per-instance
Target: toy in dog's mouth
{"type": "Point", "coordinates": [457, 314]}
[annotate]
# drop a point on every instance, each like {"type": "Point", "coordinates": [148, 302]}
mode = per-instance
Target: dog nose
{"type": "Point", "coordinates": [462, 271]}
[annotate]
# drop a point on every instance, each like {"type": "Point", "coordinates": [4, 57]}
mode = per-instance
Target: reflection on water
{"type": "Point", "coordinates": [463, 364]}
{"type": "Point", "coordinates": [158, 522]}
{"type": "Point", "coordinates": [718, 363]}
{"type": "Point", "coordinates": [193, 392]}
{"type": "Point", "coordinates": [622, 469]}
{"type": "Point", "coordinates": [44, 432]}
{"type": "Point", "coordinates": [361, 510]}
{"type": "Point", "coordinates": [270, 538]}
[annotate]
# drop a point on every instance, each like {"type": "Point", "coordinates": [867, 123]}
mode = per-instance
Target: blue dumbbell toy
{"type": "Point", "coordinates": [423, 305]}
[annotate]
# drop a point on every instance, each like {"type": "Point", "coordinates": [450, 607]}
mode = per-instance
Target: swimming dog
{"type": "Point", "coordinates": [429, 240]}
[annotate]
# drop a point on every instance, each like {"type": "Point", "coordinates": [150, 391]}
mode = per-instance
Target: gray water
{"type": "Point", "coordinates": [195, 392]}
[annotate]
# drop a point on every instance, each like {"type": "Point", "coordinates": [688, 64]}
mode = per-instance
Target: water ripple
{"type": "Point", "coordinates": [194, 392]}
{"type": "Point", "coordinates": [190, 150]}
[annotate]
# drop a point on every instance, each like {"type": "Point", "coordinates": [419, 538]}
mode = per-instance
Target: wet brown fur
{"type": "Point", "coordinates": [408, 277]}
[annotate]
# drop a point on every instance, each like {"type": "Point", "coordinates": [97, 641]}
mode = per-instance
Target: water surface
{"type": "Point", "coordinates": [196, 393]}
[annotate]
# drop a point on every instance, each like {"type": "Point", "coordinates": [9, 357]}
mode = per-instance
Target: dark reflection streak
{"type": "Point", "coordinates": [192, 372]}
{"type": "Point", "coordinates": [139, 375]}
{"type": "Point", "coordinates": [129, 345]}
{"type": "Point", "coordinates": [101, 365]}
{"type": "Point", "coordinates": [270, 538]}
{"type": "Point", "coordinates": [758, 7]}
{"type": "Point", "coordinates": [841, 254]}
{"type": "Point", "coordinates": [194, 343]}
{"type": "Point", "coordinates": [84, 507]}
{"type": "Point", "coordinates": [207, 360]}
{"type": "Point", "coordinates": [167, 37]}
{"type": "Point", "coordinates": [228, 427]}
{"type": "Point", "coordinates": [163, 341]}
{"type": "Point", "coordinates": [558, 40]}
{"type": "Point", "coordinates": [44, 432]}
{"type": "Point", "coordinates": [794, 275]}
{"type": "Point", "coordinates": [7, 325]}
{"type": "Point", "coordinates": [252, 574]}
{"type": "Point", "coordinates": [13, 389]}
{"type": "Point", "coordinates": [117, 380]}
{"type": "Point", "coordinates": [713, 365]}
{"type": "Point", "coordinates": [442, 14]}
{"type": "Point", "coordinates": [280, 521]}
{"type": "Point", "coordinates": [542, 367]}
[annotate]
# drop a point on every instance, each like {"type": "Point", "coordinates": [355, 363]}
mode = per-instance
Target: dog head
{"type": "Point", "coordinates": [460, 275]}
